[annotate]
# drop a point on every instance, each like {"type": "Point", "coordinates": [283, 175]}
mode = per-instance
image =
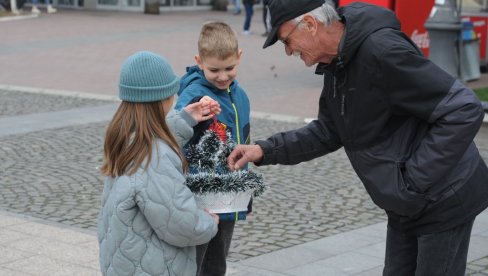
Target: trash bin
{"type": "Point", "coordinates": [151, 6]}
{"type": "Point", "coordinates": [444, 27]}
{"type": "Point", "coordinates": [470, 53]}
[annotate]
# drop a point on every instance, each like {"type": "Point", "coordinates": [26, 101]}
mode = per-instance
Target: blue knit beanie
{"type": "Point", "coordinates": [147, 77]}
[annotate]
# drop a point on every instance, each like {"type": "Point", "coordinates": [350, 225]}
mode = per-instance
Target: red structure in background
{"type": "Point", "coordinates": [413, 14]}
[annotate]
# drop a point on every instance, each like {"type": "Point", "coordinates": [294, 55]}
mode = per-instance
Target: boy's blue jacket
{"type": "Point", "coordinates": [235, 113]}
{"type": "Point", "coordinates": [234, 103]}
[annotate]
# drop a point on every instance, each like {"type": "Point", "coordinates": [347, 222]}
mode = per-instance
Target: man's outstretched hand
{"type": "Point", "coordinates": [243, 154]}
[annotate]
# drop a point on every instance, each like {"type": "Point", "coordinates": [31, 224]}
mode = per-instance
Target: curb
{"type": "Point", "coordinates": [18, 17]}
{"type": "Point", "coordinates": [84, 95]}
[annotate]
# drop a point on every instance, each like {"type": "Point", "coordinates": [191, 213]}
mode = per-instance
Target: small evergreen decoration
{"type": "Point", "coordinates": [208, 170]}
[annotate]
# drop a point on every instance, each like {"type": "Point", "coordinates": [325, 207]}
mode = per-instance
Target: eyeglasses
{"type": "Point", "coordinates": [286, 39]}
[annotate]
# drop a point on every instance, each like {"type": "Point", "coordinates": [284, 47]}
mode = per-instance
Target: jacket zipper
{"type": "Point", "coordinates": [236, 116]}
{"type": "Point", "coordinates": [343, 103]}
{"type": "Point", "coordinates": [335, 80]}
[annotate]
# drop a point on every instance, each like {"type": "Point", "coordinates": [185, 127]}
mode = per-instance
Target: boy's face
{"type": "Point", "coordinates": [220, 73]}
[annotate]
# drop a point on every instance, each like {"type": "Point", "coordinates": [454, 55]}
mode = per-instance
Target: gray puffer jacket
{"type": "Point", "coordinates": [149, 222]}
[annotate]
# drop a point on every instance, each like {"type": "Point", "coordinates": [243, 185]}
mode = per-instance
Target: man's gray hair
{"type": "Point", "coordinates": [325, 14]}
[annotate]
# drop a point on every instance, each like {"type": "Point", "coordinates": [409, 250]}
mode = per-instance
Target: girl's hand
{"type": "Point", "coordinates": [204, 109]}
{"type": "Point", "coordinates": [214, 106]}
{"type": "Point", "coordinates": [214, 216]}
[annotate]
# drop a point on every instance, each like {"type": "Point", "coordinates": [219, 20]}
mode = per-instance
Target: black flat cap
{"type": "Point", "coordinates": [282, 11]}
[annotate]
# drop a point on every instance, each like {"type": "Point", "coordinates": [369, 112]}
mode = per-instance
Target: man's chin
{"type": "Point", "coordinates": [307, 63]}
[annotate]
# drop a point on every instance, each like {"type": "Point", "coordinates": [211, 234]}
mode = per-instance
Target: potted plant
{"type": "Point", "coordinates": [214, 185]}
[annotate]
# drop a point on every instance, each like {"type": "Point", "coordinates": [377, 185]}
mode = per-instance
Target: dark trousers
{"type": "Point", "coordinates": [211, 256]}
{"type": "Point", "coordinates": [249, 12]}
{"type": "Point", "coordinates": [442, 254]}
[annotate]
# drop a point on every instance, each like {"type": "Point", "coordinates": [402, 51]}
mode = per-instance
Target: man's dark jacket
{"type": "Point", "coordinates": [406, 125]}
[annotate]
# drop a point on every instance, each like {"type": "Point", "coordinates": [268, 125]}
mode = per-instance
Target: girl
{"type": "Point", "coordinates": [149, 223]}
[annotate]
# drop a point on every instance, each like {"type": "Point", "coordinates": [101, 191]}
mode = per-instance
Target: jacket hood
{"type": "Point", "coordinates": [195, 75]}
{"type": "Point", "coordinates": [360, 21]}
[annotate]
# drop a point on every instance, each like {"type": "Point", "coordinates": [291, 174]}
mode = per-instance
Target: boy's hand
{"type": "Point", "coordinates": [204, 109]}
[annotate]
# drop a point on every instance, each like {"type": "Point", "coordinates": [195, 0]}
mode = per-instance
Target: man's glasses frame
{"type": "Point", "coordinates": [285, 40]}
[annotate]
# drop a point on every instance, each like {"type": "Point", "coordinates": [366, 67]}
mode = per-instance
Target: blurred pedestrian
{"type": "Point", "coordinates": [13, 7]}
{"type": "Point", "coordinates": [49, 7]}
{"type": "Point", "coordinates": [266, 18]}
{"type": "Point", "coordinates": [237, 6]}
{"type": "Point", "coordinates": [249, 9]}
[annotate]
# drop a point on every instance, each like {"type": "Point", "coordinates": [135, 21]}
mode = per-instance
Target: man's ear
{"type": "Point", "coordinates": [310, 23]}
{"type": "Point", "coordinates": [199, 61]}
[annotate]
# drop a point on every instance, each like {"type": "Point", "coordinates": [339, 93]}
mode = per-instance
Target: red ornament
{"type": "Point", "coordinates": [219, 129]}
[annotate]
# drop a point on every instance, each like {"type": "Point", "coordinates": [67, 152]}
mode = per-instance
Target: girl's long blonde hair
{"type": "Point", "coordinates": [130, 136]}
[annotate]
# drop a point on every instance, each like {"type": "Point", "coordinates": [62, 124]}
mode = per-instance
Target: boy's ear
{"type": "Point", "coordinates": [199, 61]}
{"type": "Point", "coordinates": [239, 53]}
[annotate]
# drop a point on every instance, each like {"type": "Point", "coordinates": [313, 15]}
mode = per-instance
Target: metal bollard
{"type": "Point", "coordinates": [444, 27]}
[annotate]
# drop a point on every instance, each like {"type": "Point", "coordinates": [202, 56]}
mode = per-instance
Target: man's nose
{"type": "Point", "coordinates": [288, 50]}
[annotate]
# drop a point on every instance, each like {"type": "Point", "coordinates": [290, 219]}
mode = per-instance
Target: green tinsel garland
{"type": "Point", "coordinates": [208, 171]}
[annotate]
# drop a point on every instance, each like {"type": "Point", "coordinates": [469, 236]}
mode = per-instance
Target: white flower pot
{"type": "Point", "coordinates": [224, 202]}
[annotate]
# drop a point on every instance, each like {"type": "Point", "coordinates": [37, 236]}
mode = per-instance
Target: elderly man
{"type": "Point", "coordinates": [406, 125]}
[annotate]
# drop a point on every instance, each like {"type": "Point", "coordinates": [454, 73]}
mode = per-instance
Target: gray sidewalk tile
{"type": "Point", "coordinates": [41, 121]}
{"type": "Point", "coordinates": [41, 265]}
{"type": "Point", "coordinates": [478, 248]}
{"type": "Point", "coordinates": [480, 223]}
{"type": "Point", "coordinates": [285, 259]}
{"type": "Point", "coordinates": [376, 250]}
{"type": "Point", "coordinates": [9, 236]}
{"type": "Point", "coordinates": [237, 269]}
{"type": "Point", "coordinates": [9, 255]}
{"type": "Point", "coordinates": [52, 233]}
{"type": "Point", "coordinates": [341, 243]}
{"type": "Point", "coordinates": [8, 272]}
{"type": "Point", "coordinates": [6, 220]}
{"type": "Point", "coordinates": [56, 250]}
{"type": "Point", "coordinates": [316, 270]}
{"type": "Point", "coordinates": [377, 230]}
{"type": "Point", "coordinates": [349, 263]}
{"type": "Point", "coordinates": [372, 272]}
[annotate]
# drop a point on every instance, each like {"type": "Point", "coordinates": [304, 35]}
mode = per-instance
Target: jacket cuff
{"type": "Point", "coordinates": [188, 118]}
{"type": "Point", "coordinates": [266, 152]}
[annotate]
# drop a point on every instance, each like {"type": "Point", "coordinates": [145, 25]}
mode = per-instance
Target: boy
{"type": "Point", "coordinates": [214, 76]}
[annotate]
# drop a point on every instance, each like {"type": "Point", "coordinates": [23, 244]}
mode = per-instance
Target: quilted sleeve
{"type": "Point", "coordinates": [170, 208]}
{"type": "Point", "coordinates": [181, 125]}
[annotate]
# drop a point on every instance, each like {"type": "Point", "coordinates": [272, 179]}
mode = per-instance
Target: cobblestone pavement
{"type": "Point", "coordinates": [16, 103]}
{"type": "Point", "coordinates": [52, 174]}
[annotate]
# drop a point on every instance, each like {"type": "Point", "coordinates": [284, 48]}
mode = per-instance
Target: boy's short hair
{"type": "Point", "coordinates": [217, 39]}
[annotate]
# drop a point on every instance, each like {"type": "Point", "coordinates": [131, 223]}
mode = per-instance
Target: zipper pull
{"type": "Point", "coordinates": [230, 94]}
